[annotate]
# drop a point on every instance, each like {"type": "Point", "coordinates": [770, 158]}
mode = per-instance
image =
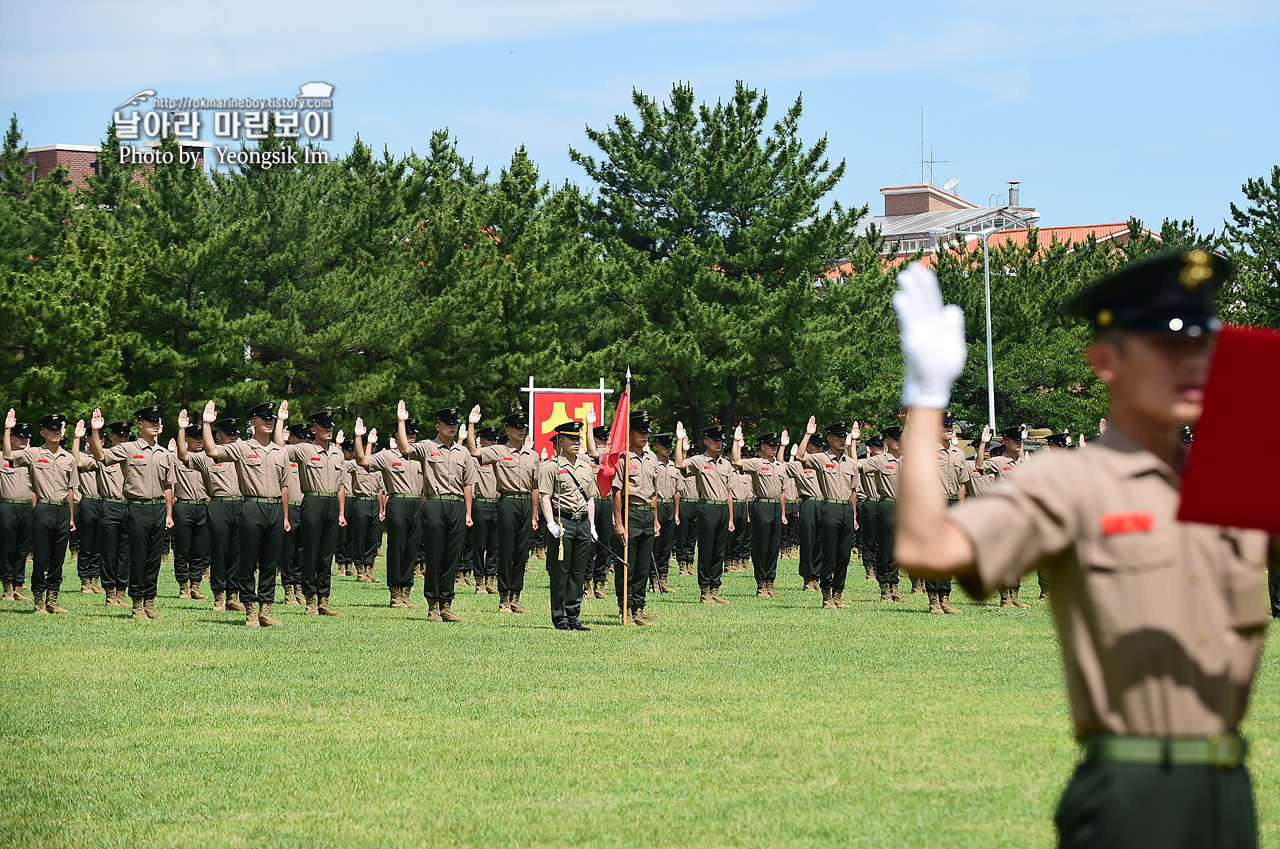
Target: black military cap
{"type": "Point", "coordinates": [516, 419]}
{"type": "Point", "coordinates": [717, 432]}
{"type": "Point", "coordinates": [1014, 433]}
{"type": "Point", "coordinates": [570, 428]}
{"type": "Point", "coordinates": [891, 432]}
{"type": "Point", "coordinates": [876, 441]}
{"type": "Point", "coordinates": [774, 439]}
{"type": "Point", "coordinates": [301, 430]}
{"type": "Point", "coordinates": [490, 432]}
{"type": "Point", "coordinates": [948, 420]}
{"type": "Point", "coordinates": [228, 426]}
{"type": "Point", "coordinates": [194, 431]}
{"type": "Point", "coordinates": [838, 429]}
{"type": "Point", "coordinates": [449, 415]}
{"type": "Point", "coordinates": [747, 452]}
{"type": "Point", "coordinates": [265, 410]}
{"type": "Point", "coordinates": [666, 439]}
{"type": "Point", "coordinates": [997, 450]}
{"type": "Point", "coordinates": [53, 421]}
{"type": "Point", "coordinates": [121, 428]}
{"type": "Point", "coordinates": [1061, 440]}
{"type": "Point", "coordinates": [150, 413]}
{"type": "Point", "coordinates": [411, 425]}
{"type": "Point", "coordinates": [21, 430]}
{"type": "Point", "coordinates": [1168, 293]}
{"type": "Point", "coordinates": [348, 445]}
{"type": "Point", "coordinates": [640, 421]}
{"type": "Point", "coordinates": [324, 418]}
{"type": "Point", "coordinates": [600, 431]}
{"type": "Point", "coordinates": [1187, 433]}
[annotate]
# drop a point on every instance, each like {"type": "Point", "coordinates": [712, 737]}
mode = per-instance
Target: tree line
{"type": "Point", "coordinates": [694, 255]}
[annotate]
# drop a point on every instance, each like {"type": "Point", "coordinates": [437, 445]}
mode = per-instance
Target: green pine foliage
{"type": "Point", "coordinates": [699, 253]}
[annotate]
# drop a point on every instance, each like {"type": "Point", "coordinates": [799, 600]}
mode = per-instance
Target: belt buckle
{"type": "Point", "coordinates": [1224, 752]}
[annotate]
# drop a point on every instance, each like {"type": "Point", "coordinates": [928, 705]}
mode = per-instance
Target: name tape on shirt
{"type": "Point", "coordinates": [1134, 521]}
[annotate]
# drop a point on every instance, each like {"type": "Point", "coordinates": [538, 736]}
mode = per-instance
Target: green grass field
{"type": "Point", "coordinates": [768, 723]}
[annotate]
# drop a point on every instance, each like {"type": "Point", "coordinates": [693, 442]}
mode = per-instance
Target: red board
{"type": "Point", "coordinates": [553, 408]}
{"type": "Point", "coordinates": [1242, 395]}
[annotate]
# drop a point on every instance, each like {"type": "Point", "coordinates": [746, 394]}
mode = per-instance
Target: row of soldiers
{"type": "Point", "coordinates": [287, 499]}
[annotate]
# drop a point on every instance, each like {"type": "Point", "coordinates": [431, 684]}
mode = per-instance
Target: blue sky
{"type": "Point", "coordinates": [1103, 110]}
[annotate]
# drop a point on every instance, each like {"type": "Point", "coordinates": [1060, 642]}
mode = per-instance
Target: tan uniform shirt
{"type": "Point", "coordinates": [741, 487]}
{"type": "Point", "coordinates": [789, 487]}
{"type": "Point", "coordinates": [400, 475]}
{"type": "Point", "coordinates": [557, 478]}
{"type": "Point", "coordinates": [148, 469]}
{"type": "Point", "coordinates": [220, 479]}
{"type": "Point", "coordinates": [867, 477]}
{"type": "Point", "coordinates": [668, 480]}
{"type": "Point", "coordinates": [806, 479]}
{"type": "Point", "coordinates": [263, 469]}
{"type": "Point", "coordinates": [642, 479]}
{"type": "Point", "coordinates": [883, 470]}
{"type": "Point", "coordinates": [87, 475]}
{"type": "Point", "coordinates": [1000, 467]}
{"type": "Point", "coordinates": [837, 474]}
{"type": "Point", "coordinates": [362, 482]}
{"type": "Point", "coordinates": [52, 473]}
{"type": "Point", "coordinates": [319, 469]}
{"type": "Point", "coordinates": [1160, 621]}
{"type": "Point", "coordinates": [188, 483]}
{"type": "Point", "coordinates": [15, 482]}
{"type": "Point", "coordinates": [767, 477]}
{"type": "Point", "coordinates": [445, 470]}
{"type": "Point", "coordinates": [515, 470]}
{"type": "Point", "coordinates": [486, 481]}
{"type": "Point", "coordinates": [713, 476]}
{"type": "Point", "coordinates": [952, 470]}
{"type": "Point", "coordinates": [688, 485]}
{"type": "Point", "coordinates": [295, 484]}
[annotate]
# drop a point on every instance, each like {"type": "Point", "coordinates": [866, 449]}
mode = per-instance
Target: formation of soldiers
{"type": "Point", "coordinates": [246, 503]}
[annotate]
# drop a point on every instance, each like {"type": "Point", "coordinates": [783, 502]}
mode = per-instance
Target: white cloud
{"type": "Point", "coordinates": [166, 43]}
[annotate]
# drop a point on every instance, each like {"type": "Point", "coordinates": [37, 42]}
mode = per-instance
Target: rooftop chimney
{"type": "Point", "coordinates": [1013, 192]}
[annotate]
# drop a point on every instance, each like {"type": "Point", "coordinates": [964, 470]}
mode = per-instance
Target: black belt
{"type": "Point", "coordinates": [226, 498]}
{"type": "Point", "coordinates": [146, 500]}
{"type": "Point", "coordinates": [1221, 751]}
{"type": "Point", "coordinates": [573, 516]}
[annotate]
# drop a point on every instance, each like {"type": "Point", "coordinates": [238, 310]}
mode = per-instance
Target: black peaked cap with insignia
{"type": "Point", "coordinates": [490, 432]}
{"type": "Point", "coordinates": [570, 428]}
{"type": "Point", "coordinates": [302, 430]}
{"type": "Point", "coordinates": [837, 429]}
{"type": "Point", "coordinates": [641, 421]}
{"type": "Point", "coordinates": [411, 425]}
{"type": "Point", "coordinates": [1014, 433]}
{"type": "Point", "coordinates": [121, 428]}
{"type": "Point", "coordinates": [717, 432]}
{"type": "Point", "coordinates": [53, 421]}
{"type": "Point", "coordinates": [265, 410]}
{"type": "Point", "coordinates": [194, 431]}
{"type": "Point", "coordinates": [1171, 292]}
{"type": "Point", "coordinates": [600, 431]}
{"type": "Point", "coordinates": [324, 418]}
{"type": "Point", "coordinates": [892, 432]}
{"type": "Point", "coordinates": [876, 441]}
{"type": "Point", "coordinates": [230, 427]}
{"type": "Point", "coordinates": [665, 439]}
{"type": "Point", "coordinates": [150, 413]}
{"type": "Point", "coordinates": [448, 415]}
{"type": "Point", "coordinates": [1061, 440]}
{"type": "Point", "coordinates": [21, 430]}
{"type": "Point", "coordinates": [774, 439]}
{"type": "Point", "coordinates": [517, 419]}
{"type": "Point", "coordinates": [348, 444]}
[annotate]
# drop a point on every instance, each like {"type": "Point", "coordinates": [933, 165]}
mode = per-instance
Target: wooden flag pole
{"type": "Point", "coordinates": [626, 506]}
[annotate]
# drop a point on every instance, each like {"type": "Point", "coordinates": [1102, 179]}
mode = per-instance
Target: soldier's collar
{"type": "Point", "coordinates": [1130, 459]}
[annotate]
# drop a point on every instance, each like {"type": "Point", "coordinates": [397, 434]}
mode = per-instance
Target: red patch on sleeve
{"type": "Point", "coordinates": [397, 463]}
{"type": "Point", "coordinates": [315, 458]}
{"type": "Point", "coordinates": [42, 460]}
{"type": "Point", "coordinates": [138, 457]}
{"type": "Point", "coordinates": [251, 456]}
{"type": "Point", "coordinates": [833, 465]}
{"type": "Point", "coordinates": [1135, 521]}
{"type": "Point", "coordinates": [888, 468]}
{"type": "Point", "coordinates": [563, 472]}
{"type": "Point", "coordinates": [293, 465]}
{"type": "Point", "coordinates": [764, 468]}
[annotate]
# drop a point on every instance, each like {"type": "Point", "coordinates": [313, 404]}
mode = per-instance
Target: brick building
{"type": "Point", "coordinates": [81, 160]}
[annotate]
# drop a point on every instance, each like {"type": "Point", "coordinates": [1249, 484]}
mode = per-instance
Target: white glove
{"type": "Point", "coordinates": [553, 529]}
{"type": "Point", "coordinates": [933, 347]}
{"type": "Point", "coordinates": [594, 533]}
